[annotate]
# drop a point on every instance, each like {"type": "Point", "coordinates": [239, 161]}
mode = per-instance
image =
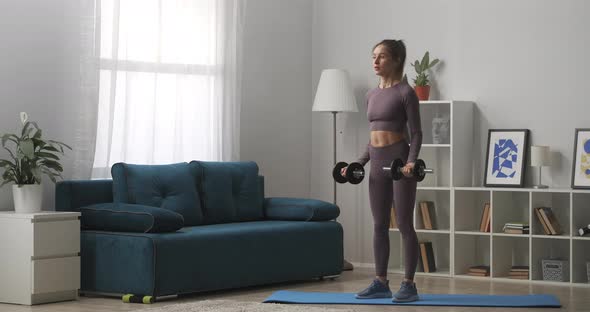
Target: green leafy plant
{"type": "Point", "coordinates": [30, 156]}
{"type": "Point", "coordinates": [421, 68]}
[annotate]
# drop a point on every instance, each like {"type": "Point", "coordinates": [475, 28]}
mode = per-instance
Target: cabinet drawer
{"type": "Point", "coordinates": [53, 275]}
{"type": "Point", "coordinates": [58, 238]}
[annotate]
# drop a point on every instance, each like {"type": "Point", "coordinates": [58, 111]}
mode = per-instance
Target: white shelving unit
{"type": "Point", "coordinates": [501, 251]}
{"type": "Point", "coordinates": [451, 161]}
{"type": "Point", "coordinates": [457, 242]}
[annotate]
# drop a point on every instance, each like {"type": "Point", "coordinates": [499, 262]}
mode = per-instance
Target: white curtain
{"type": "Point", "coordinates": [169, 82]}
{"type": "Point", "coordinates": [84, 127]}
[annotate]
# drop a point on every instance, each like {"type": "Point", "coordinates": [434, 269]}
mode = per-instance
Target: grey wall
{"type": "Point", "coordinates": [522, 62]}
{"type": "Point", "coordinates": [277, 99]}
{"type": "Point", "coordinates": [39, 69]}
{"type": "Point", "coordinates": [38, 73]}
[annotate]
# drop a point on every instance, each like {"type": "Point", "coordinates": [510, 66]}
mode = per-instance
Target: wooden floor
{"type": "Point", "coordinates": [572, 298]}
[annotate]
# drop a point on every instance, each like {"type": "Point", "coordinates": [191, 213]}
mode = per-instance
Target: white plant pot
{"type": "Point", "coordinates": [27, 198]}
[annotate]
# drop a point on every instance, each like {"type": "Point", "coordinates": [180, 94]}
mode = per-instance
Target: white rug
{"type": "Point", "coordinates": [237, 306]}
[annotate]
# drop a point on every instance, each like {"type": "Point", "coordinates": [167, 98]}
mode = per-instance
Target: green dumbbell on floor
{"type": "Point", "coordinates": [130, 298]}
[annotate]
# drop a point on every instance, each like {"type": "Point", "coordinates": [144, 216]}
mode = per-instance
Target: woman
{"type": "Point", "coordinates": [391, 106]}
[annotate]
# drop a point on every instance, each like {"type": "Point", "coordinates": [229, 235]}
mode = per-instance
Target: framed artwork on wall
{"type": "Point", "coordinates": [581, 160]}
{"type": "Point", "coordinates": [505, 157]}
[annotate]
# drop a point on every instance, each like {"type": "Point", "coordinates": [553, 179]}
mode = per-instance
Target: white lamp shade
{"type": "Point", "coordinates": [540, 156]}
{"type": "Point", "coordinates": [334, 93]}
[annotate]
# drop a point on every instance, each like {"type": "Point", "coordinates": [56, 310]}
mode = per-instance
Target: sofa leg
{"type": "Point", "coordinates": [331, 277]}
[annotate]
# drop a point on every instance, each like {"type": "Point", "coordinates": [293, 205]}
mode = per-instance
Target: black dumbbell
{"type": "Point", "coordinates": [419, 171]}
{"type": "Point", "coordinates": [354, 173]}
{"type": "Point", "coordinates": [584, 230]}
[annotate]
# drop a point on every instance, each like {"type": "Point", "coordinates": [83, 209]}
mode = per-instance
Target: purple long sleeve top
{"type": "Point", "coordinates": [391, 109]}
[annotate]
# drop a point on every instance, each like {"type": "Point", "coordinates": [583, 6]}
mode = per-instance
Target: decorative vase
{"type": "Point", "coordinates": [27, 198]}
{"type": "Point", "coordinates": [423, 92]}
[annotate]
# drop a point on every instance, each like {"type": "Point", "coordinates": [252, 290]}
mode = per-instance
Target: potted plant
{"type": "Point", "coordinates": [30, 157]}
{"type": "Point", "coordinates": [421, 82]}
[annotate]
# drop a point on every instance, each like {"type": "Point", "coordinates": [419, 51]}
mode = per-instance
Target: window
{"type": "Point", "coordinates": [161, 82]}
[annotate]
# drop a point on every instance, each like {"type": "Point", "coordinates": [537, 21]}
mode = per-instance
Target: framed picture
{"type": "Point", "coordinates": [581, 163]}
{"type": "Point", "coordinates": [506, 157]}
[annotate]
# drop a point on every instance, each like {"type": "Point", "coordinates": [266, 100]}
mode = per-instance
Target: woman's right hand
{"type": "Point", "coordinates": [343, 171]}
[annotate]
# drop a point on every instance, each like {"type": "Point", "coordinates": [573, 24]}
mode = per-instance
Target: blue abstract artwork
{"type": "Point", "coordinates": [581, 164]}
{"type": "Point", "coordinates": [505, 159]}
{"type": "Point", "coordinates": [587, 154]}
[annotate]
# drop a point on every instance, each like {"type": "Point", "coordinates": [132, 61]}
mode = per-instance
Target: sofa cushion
{"type": "Point", "coordinates": [119, 217]}
{"type": "Point", "coordinates": [230, 191]}
{"type": "Point", "coordinates": [299, 209]}
{"type": "Point", "coordinates": [171, 187]}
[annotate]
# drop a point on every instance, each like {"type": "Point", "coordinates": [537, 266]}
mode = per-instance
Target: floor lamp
{"type": "Point", "coordinates": [335, 94]}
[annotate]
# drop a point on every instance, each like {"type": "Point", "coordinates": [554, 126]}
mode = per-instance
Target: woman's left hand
{"type": "Point", "coordinates": [407, 169]}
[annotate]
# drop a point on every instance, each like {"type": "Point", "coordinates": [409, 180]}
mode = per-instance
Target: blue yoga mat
{"type": "Point", "coordinates": [547, 301]}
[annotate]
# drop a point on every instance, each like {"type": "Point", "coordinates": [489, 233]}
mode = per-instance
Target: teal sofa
{"type": "Point", "coordinates": [160, 230]}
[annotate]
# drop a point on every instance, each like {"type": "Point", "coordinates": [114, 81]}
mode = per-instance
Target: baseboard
{"type": "Point", "coordinates": [363, 265]}
{"type": "Point", "coordinates": [54, 297]}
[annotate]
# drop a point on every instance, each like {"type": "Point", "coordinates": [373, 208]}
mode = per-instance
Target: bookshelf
{"type": "Point", "coordinates": [571, 208]}
{"type": "Point", "coordinates": [451, 160]}
{"type": "Point", "coordinates": [457, 241]}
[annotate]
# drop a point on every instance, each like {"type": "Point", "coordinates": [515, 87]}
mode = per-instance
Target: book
{"type": "Point", "coordinates": [518, 273]}
{"type": "Point", "coordinates": [427, 257]}
{"type": "Point", "coordinates": [519, 268]}
{"type": "Point", "coordinates": [545, 217]}
{"type": "Point", "coordinates": [553, 223]}
{"type": "Point", "coordinates": [423, 258]}
{"type": "Point", "coordinates": [428, 214]}
{"type": "Point", "coordinates": [516, 228]}
{"type": "Point", "coordinates": [393, 221]}
{"type": "Point", "coordinates": [516, 225]}
{"type": "Point", "coordinates": [542, 221]}
{"type": "Point", "coordinates": [479, 270]}
{"type": "Point", "coordinates": [484, 223]}
{"type": "Point", "coordinates": [516, 231]}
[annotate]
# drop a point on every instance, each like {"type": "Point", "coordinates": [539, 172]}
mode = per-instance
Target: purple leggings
{"type": "Point", "coordinates": [383, 191]}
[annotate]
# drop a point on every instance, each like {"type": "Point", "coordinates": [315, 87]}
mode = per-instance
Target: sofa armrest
{"type": "Point", "coordinates": [118, 217]}
{"type": "Point", "coordinates": [299, 209]}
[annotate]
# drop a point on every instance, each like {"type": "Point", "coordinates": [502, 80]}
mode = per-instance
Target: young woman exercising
{"type": "Point", "coordinates": [390, 107]}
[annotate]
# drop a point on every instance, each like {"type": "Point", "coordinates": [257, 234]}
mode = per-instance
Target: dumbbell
{"type": "Point", "coordinates": [129, 298]}
{"type": "Point", "coordinates": [354, 173]}
{"type": "Point", "coordinates": [419, 171]}
{"type": "Point", "coordinates": [584, 230]}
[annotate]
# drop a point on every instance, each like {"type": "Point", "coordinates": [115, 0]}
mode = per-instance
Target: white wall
{"type": "Point", "coordinates": [39, 65]}
{"type": "Point", "coordinates": [38, 73]}
{"type": "Point", "coordinates": [527, 57]}
{"type": "Point", "coordinates": [522, 62]}
{"type": "Point", "coordinates": [277, 99]}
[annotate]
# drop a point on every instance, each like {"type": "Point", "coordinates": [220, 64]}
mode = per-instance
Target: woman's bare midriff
{"type": "Point", "coordinates": [384, 138]}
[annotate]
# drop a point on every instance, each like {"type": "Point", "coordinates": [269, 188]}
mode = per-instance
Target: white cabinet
{"type": "Point", "coordinates": [39, 257]}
